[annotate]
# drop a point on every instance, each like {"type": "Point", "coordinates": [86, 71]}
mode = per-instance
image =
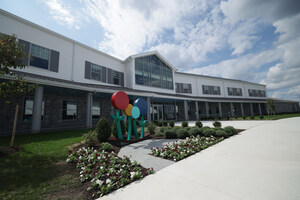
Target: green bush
{"type": "Point", "coordinates": [170, 134]}
{"type": "Point", "coordinates": [158, 133]}
{"type": "Point", "coordinates": [175, 128]}
{"type": "Point", "coordinates": [230, 130]}
{"type": "Point", "coordinates": [103, 129]}
{"type": "Point", "coordinates": [159, 123]}
{"type": "Point", "coordinates": [184, 124]}
{"type": "Point", "coordinates": [194, 131]}
{"type": "Point", "coordinates": [217, 124]}
{"type": "Point", "coordinates": [209, 132]}
{"type": "Point", "coordinates": [114, 128]}
{"type": "Point", "coordinates": [221, 133]}
{"type": "Point", "coordinates": [165, 123]}
{"type": "Point", "coordinates": [182, 133]}
{"type": "Point", "coordinates": [204, 128]}
{"type": "Point", "coordinates": [162, 129]}
{"type": "Point", "coordinates": [199, 124]}
{"type": "Point", "coordinates": [171, 123]}
{"type": "Point", "coordinates": [106, 146]}
{"type": "Point", "coordinates": [90, 138]}
{"type": "Point", "coordinates": [151, 128]}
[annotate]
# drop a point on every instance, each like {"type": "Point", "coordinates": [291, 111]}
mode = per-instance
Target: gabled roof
{"type": "Point", "coordinates": [150, 54]}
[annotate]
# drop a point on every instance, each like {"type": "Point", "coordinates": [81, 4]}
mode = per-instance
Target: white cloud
{"type": "Point", "coordinates": [244, 67]}
{"type": "Point", "coordinates": [62, 13]}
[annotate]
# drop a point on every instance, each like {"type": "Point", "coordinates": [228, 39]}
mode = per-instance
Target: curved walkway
{"type": "Point", "coordinates": [261, 163]}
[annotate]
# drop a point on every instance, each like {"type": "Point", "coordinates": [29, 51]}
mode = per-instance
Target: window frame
{"type": "Point", "coordinates": [65, 110]}
{"type": "Point", "coordinates": [30, 61]}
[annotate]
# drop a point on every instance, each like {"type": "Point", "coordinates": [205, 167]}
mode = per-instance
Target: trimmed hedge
{"type": "Point", "coordinates": [170, 134]}
{"type": "Point", "coordinates": [103, 129]}
{"type": "Point", "coordinates": [182, 133]}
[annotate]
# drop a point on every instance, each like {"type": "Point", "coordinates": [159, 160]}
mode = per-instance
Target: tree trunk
{"type": "Point", "coordinates": [15, 126]}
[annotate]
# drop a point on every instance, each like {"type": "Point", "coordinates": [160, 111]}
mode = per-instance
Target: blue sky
{"type": "Point", "coordinates": [251, 40]}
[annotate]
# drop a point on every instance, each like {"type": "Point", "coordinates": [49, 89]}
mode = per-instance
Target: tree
{"type": "Point", "coordinates": [270, 106]}
{"type": "Point", "coordinates": [11, 57]}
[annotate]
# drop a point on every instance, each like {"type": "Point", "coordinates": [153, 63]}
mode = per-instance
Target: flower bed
{"type": "Point", "coordinates": [106, 171]}
{"type": "Point", "coordinates": [183, 148]}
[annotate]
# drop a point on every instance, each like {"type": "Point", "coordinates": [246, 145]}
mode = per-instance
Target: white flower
{"type": "Point", "coordinates": [80, 157]}
{"type": "Point", "coordinates": [108, 181]}
{"type": "Point", "coordinates": [99, 182]}
{"type": "Point", "coordinates": [68, 160]}
{"type": "Point", "coordinates": [132, 174]}
{"type": "Point", "coordinates": [101, 167]}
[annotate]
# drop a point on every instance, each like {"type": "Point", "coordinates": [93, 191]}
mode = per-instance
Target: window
{"type": "Point", "coordinates": [256, 93]}
{"type": "Point", "coordinates": [116, 77]}
{"type": "Point", "coordinates": [234, 91]}
{"type": "Point", "coordinates": [40, 56]}
{"type": "Point", "coordinates": [28, 110]}
{"type": "Point", "coordinates": [96, 109]}
{"type": "Point", "coordinates": [96, 72]}
{"type": "Point", "coordinates": [213, 90]}
{"type": "Point", "coordinates": [151, 71]}
{"type": "Point", "coordinates": [183, 88]}
{"type": "Point", "coordinates": [69, 110]}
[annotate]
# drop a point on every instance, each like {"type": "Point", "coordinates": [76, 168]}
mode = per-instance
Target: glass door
{"type": "Point", "coordinates": [157, 113]}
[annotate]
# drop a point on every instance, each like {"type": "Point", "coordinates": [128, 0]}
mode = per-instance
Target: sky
{"type": "Point", "coordinates": [250, 40]}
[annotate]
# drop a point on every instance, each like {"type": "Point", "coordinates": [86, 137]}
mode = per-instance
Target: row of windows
{"type": "Point", "coordinates": [153, 72]}
{"type": "Point", "coordinates": [103, 74]}
{"type": "Point", "coordinates": [256, 93]}
{"type": "Point", "coordinates": [69, 109]}
{"type": "Point", "coordinates": [234, 91]}
{"type": "Point", "coordinates": [183, 88]}
{"type": "Point", "coordinates": [213, 90]}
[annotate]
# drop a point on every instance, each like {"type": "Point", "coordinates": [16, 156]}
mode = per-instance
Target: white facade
{"type": "Point", "coordinates": [73, 55]}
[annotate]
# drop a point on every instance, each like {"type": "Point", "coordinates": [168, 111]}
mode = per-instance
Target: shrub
{"type": "Point", "coordinates": [261, 117]}
{"type": "Point", "coordinates": [151, 128]}
{"type": "Point", "coordinates": [184, 124]}
{"type": "Point", "coordinates": [162, 129]}
{"type": "Point", "coordinates": [158, 133]}
{"type": "Point", "coordinates": [106, 146]}
{"type": "Point", "coordinates": [199, 124]}
{"type": "Point", "coordinates": [103, 129]}
{"type": "Point", "coordinates": [204, 128]}
{"type": "Point", "coordinates": [217, 124]}
{"type": "Point", "coordinates": [171, 123]}
{"type": "Point", "coordinates": [252, 117]}
{"type": "Point", "coordinates": [194, 131]}
{"type": "Point", "coordinates": [90, 138]}
{"type": "Point", "coordinates": [155, 122]}
{"type": "Point", "coordinates": [175, 128]}
{"type": "Point", "coordinates": [244, 117]}
{"type": "Point", "coordinates": [170, 134]}
{"type": "Point", "coordinates": [221, 133]}
{"type": "Point", "coordinates": [230, 130]}
{"type": "Point", "coordinates": [182, 133]}
{"type": "Point", "coordinates": [209, 132]}
{"type": "Point", "coordinates": [159, 123]}
{"type": "Point", "coordinates": [165, 123]}
{"type": "Point", "coordinates": [114, 128]}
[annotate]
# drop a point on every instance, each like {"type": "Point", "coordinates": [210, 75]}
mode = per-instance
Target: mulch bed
{"type": "Point", "coordinates": [6, 150]}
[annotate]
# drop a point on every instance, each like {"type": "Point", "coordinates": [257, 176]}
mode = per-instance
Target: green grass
{"type": "Point", "coordinates": [39, 169]}
{"type": "Point", "coordinates": [271, 117]}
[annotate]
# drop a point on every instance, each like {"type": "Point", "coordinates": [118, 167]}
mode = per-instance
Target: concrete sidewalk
{"type": "Point", "coordinates": [262, 162]}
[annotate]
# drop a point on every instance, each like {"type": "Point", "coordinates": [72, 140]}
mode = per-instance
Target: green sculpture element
{"type": "Point", "coordinates": [129, 127]}
{"type": "Point", "coordinates": [135, 113]}
{"type": "Point", "coordinates": [142, 123]}
{"type": "Point", "coordinates": [118, 118]}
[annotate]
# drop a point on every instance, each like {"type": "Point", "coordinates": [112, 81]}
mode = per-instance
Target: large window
{"type": "Point", "coordinates": [28, 110]}
{"type": "Point", "coordinates": [183, 88]}
{"type": "Point", "coordinates": [153, 72]}
{"type": "Point", "coordinates": [234, 91]}
{"type": "Point", "coordinates": [256, 93]}
{"type": "Point", "coordinates": [96, 109]}
{"type": "Point", "coordinates": [69, 110]}
{"type": "Point", "coordinates": [96, 72]}
{"type": "Point", "coordinates": [213, 90]}
{"type": "Point", "coordinates": [40, 56]}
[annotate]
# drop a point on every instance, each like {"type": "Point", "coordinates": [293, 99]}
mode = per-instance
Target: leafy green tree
{"type": "Point", "coordinates": [270, 106]}
{"type": "Point", "coordinates": [14, 86]}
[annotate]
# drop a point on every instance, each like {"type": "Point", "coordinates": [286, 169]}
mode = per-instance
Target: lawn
{"type": "Point", "coordinates": [40, 171]}
{"type": "Point", "coordinates": [271, 117]}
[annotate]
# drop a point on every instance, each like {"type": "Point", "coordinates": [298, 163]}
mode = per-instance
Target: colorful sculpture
{"type": "Point", "coordinates": [120, 101]}
{"type": "Point", "coordinates": [142, 105]}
